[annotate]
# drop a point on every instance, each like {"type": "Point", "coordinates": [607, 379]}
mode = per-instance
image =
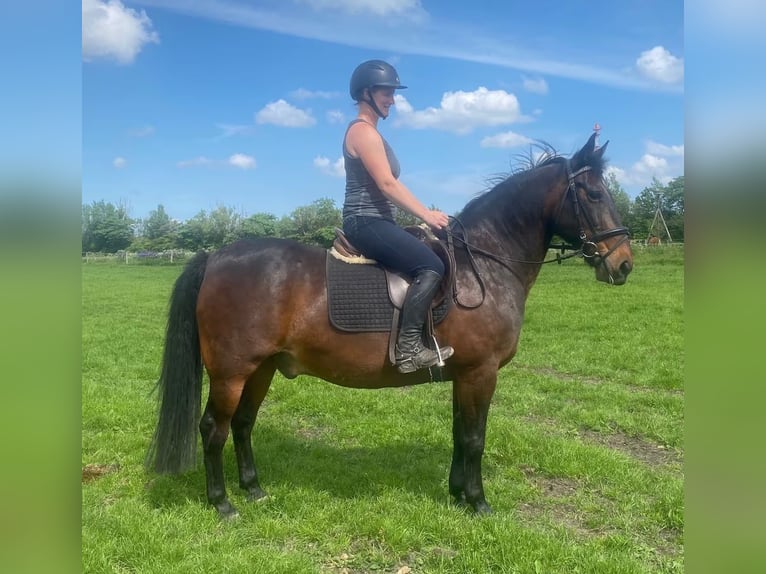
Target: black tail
{"type": "Point", "coordinates": [174, 446]}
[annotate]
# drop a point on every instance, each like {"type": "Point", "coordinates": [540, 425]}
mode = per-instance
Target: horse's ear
{"type": "Point", "coordinates": [581, 157]}
{"type": "Point", "coordinates": [590, 145]}
{"type": "Point", "coordinates": [600, 151]}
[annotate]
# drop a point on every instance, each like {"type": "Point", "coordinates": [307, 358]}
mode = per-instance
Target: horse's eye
{"type": "Point", "coordinates": [593, 194]}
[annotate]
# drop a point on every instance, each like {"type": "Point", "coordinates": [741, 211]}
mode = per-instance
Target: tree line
{"type": "Point", "coordinates": [109, 228]}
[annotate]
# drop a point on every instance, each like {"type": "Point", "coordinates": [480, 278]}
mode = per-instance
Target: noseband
{"type": "Point", "coordinates": [588, 246]}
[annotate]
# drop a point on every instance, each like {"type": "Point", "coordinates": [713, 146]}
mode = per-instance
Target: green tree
{"type": "Point", "coordinates": [259, 225]}
{"type": "Point", "coordinates": [210, 231]}
{"type": "Point", "coordinates": [644, 208]}
{"type": "Point", "coordinates": [620, 198]}
{"type": "Point", "coordinates": [670, 201]}
{"type": "Point", "coordinates": [106, 228]}
{"type": "Point", "coordinates": [159, 231]}
{"type": "Point", "coordinates": [405, 219]}
{"type": "Point", "coordinates": [223, 227]}
{"type": "Point", "coordinates": [674, 196]}
{"type": "Point", "coordinates": [192, 234]}
{"type": "Point", "coordinates": [313, 224]}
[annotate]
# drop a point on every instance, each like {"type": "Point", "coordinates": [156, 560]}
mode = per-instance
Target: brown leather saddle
{"type": "Point", "coordinates": [398, 283]}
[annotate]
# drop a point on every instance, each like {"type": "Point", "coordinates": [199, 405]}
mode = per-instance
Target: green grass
{"type": "Point", "coordinates": [583, 464]}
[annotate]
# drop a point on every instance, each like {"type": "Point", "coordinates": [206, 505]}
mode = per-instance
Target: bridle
{"type": "Point", "coordinates": [588, 248]}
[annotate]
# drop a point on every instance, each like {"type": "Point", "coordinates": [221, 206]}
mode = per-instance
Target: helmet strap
{"type": "Point", "coordinates": [373, 105]}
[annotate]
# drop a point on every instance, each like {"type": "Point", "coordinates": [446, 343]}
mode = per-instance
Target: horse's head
{"type": "Point", "coordinates": [587, 217]}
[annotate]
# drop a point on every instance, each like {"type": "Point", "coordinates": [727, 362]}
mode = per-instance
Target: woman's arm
{"type": "Point", "coordinates": [364, 141]}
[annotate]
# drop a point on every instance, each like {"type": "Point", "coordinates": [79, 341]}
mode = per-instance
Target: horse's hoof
{"type": "Point", "coordinates": [256, 495]}
{"type": "Point", "coordinates": [482, 508]}
{"type": "Point", "coordinates": [460, 501]}
{"type": "Point", "coordinates": [226, 511]}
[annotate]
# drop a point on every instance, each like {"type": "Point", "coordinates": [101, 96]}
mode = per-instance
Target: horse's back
{"type": "Point", "coordinates": [254, 291]}
{"type": "Point", "coordinates": [269, 251]}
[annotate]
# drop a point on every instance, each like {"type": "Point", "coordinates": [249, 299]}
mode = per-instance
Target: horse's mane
{"type": "Point", "coordinates": [525, 167]}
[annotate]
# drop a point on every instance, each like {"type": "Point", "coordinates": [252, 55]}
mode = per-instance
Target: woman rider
{"type": "Point", "coordinates": [373, 192]}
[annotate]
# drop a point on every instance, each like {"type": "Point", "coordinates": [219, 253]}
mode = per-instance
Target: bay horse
{"type": "Point", "coordinates": [260, 306]}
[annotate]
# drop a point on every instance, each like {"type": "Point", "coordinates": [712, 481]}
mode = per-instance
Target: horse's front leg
{"type": "Point", "coordinates": [471, 395]}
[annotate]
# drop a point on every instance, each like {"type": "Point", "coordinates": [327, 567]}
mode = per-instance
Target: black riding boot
{"type": "Point", "coordinates": [411, 355]}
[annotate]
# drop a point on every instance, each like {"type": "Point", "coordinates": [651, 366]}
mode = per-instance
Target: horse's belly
{"type": "Point", "coordinates": [358, 374]}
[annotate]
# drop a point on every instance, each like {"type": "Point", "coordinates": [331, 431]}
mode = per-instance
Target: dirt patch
{"type": "Point", "coordinates": [551, 487]}
{"type": "Point", "coordinates": [310, 433]}
{"type": "Point", "coordinates": [647, 452]}
{"type": "Point", "coordinates": [555, 505]}
{"type": "Point", "coordinates": [642, 449]}
{"type": "Point", "coordinates": [555, 491]}
{"type": "Point", "coordinates": [547, 371]}
{"type": "Point", "coordinates": [564, 376]}
{"type": "Point", "coordinates": [91, 472]}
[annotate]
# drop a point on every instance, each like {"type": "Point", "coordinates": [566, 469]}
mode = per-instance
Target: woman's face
{"type": "Point", "coordinates": [384, 99]}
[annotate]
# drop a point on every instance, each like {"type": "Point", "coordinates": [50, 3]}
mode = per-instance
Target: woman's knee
{"type": "Point", "coordinates": [434, 264]}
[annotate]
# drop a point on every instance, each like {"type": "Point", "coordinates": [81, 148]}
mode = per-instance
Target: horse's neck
{"type": "Point", "coordinates": [516, 252]}
{"type": "Point", "coordinates": [515, 234]}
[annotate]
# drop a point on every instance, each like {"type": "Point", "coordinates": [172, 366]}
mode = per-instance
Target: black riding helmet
{"type": "Point", "coordinates": [371, 74]}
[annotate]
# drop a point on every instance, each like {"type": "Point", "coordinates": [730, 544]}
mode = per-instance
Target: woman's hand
{"type": "Point", "coordinates": [435, 219]}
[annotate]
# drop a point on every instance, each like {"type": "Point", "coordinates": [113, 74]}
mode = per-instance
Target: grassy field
{"type": "Point", "coordinates": [583, 464]}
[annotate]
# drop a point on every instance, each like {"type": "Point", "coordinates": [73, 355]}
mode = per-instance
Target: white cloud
{"type": "Point", "coordinates": [280, 113]}
{"type": "Point", "coordinates": [354, 23]}
{"type": "Point", "coordinates": [461, 112]}
{"type": "Point", "coordinates": [112, 31]}
{"type": "Point", "coordinates": [659, 64]}
{"type": "Point", "coordinates": [336, 117]}
{"type": "Point", "coordinates": [650, 164]}
{"type": "Point", "coordinates": [535, 85]}
{"type": "Point", "coordinates": [304, 94]}
{"type": "Point", "coordinates": [335, 169]}
{"type": "Point", "coordinates": [655, 148]}
{"type": "Point", "coordinates": [119, 162]}
{"type": "Point", "coordinates": [376, 7]}
{"type": "Point", "coordinates": [411, 29]}
{"type": "Point", "coordinates": [664, 162]}
{"type": "Point", "coordinates": [238, 160]}
{"type": "Point", "coordinates": [505, 139]}
{"type": "Point", "coordinates": [620, 174]}
{"type": "Point", "coordinates": [242, 161]}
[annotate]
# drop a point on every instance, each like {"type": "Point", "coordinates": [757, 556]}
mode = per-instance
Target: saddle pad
{"type": "Point", "coordinates": [357, 298]}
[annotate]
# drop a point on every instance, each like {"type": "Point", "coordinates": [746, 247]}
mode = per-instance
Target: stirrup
{"type": "Point", "coordinates": [422, 358]}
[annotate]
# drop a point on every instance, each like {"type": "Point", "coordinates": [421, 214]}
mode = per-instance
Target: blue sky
{"type": "Point", "coordinates": [197, 104]}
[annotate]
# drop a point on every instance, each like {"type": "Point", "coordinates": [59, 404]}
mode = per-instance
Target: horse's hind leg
{"type": "Point", "coordinates": [242, 427]}
{"type": "Point", "coordinates": [224, 397]}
